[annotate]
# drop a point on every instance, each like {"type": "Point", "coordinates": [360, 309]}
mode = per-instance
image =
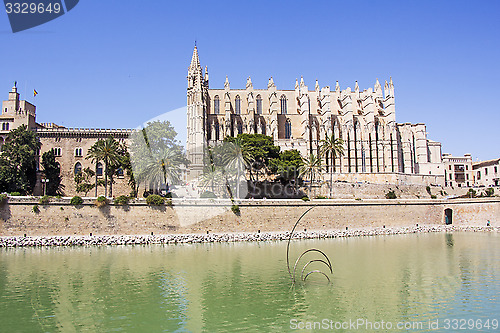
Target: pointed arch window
{"type": "Point", "coordinates": [283, 104]}
{"type": "Point", "coordinates": [288, 129]}
{"type": "Point", "coordinates": [237, 105]}
{"type": "Point", "coordinates": [78, 152]}
{"type": "Point", "coordinates": [259, 104]}
{"type": "Point", "coordinates": [216, 104]}
{"type": "Point", "coordinates": [240, 128]}
{"type": "Point", "coordinates": [119, 172]}
{"type": "Point", "coordinates": [99, 170]}
{"type": "Point", "coordinates": [78, 168]}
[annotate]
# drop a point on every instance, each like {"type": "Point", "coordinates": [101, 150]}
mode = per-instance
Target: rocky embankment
{"type": "Point", "coordinates": [97, 240]}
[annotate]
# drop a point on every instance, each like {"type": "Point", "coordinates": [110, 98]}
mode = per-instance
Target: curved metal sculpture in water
{"type": "Point", "coordinates": [303, 278]}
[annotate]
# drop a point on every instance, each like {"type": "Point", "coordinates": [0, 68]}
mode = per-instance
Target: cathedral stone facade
{"type": "Point", "coordinates": [376, 148]}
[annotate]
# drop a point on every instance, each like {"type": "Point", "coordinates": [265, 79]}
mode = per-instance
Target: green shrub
{"type": "Point", "coordinates": [3, 198]}
{"type": "Point", "coordinates": [306, 198]}
{"type": "Point", "coordinates": [471, 193]}
{"type": "Point", "coordinates": [121, 200]}
{"type": "Point", "coordinates": [433, 196]}
{"type": "Point", "coordinates": [58, 196]}
{"type": "Point", "coordinates": [44, 200]}
{"type": "Point", "coordinates": [171, 195]}
{"type": "Point", "coordinates": [235, 209]}
{"type": "Point", "coordinates": [428, 189]}
{"type": "Point", "coordinates": [35, 209]}
{"type": "Point", "coordinates": [358, 199]}
{"type": "Point", "coordinates": [15, 194]}
{"type": "Point", "coordinates": [320, 197]}
{"type": "Point", "coordinates": [76, 200]}
{"type": "Point", "coordinates": [208, 195]}
{"type": "Point", "coordinates": [490, 191]}
{"type": "Point", "coordinates": [168, 202]}
{"type": "Point", "coordinates": [155, 200]}
{"type": "Point", "coordinates": [101, 201]}
{"type": "Point", "coordinates": [390, 195]}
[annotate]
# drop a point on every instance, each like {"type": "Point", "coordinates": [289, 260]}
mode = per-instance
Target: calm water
{"type": "Point", "coordinates": [246, 286]}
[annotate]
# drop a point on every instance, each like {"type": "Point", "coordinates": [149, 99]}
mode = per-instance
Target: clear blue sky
{"type": "Point", "coordinates": [116, 63]}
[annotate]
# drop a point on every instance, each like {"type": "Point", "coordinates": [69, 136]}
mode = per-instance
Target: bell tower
{"type": "Point", "coordinates": [197, 98]}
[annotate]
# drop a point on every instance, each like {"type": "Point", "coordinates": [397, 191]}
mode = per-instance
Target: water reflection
{"type": "Point", "coordinates": [246, 286]}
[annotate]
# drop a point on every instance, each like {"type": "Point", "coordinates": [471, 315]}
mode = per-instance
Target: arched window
{"type": "Point", "coordinates": [240, 128]}
{"type": "Point", "coordinates": [283, 104]}
{"type": "Point", "coordinates": [99, 170]}
{"type": "Point", "coordinates": [57, 151]}
{"type": "Point", "coordinates": [119, 172]}
{"type": "Point", "coordinates": [5, 126]}
{"type": "Point", "coordinates": [259, 104]}
{"type": "Point", "coordinates": [288, 129]}
{"type": "Point", "coordinates": [216, 104]}
{"type": "Point", "coordinates": [78, 168]}
{"type": "Point", "coordinates": [237, 105]}
{"type": "Point", "coordinates": [78, 152]}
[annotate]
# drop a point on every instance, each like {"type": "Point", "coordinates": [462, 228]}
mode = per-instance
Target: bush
{"type": "Point", "coordinates": [15, 194]}
{"type": "Point", "coordinates": [208, 195]}
{"type": "Point", "coordinates": [168, 202]}
{"type": "Point", "coordinates": [490, 191]}
{"type": "Point", "coordinates": [76, 200]}
{"type": "Point", "coordinates": [155, 200]}
{"type": "Point", "coordinates": [171, 195]}
{"type": "Point", "coordinates": [121, 200]}
{"type": "Point", "coordinates": [390, 195]}
{"type": "Point", "coordinates": [44, 200]}
{"type": "Point", "coordinates": [35, 209]}
{"type": "Point", "coordinates": [235, 209]}
{"type": "Point", "coordinates": [306, 198]}
{"type": "Point", "coordinates": [471, 193]}
{"type": "Point", "coordinates": [428, 189]}
{"type": "Point", "coordinates": [101, 201]}
{"type": "Point", "coordinates": [3, 198]}
{"type": "Point", "coordinates": [320, 197]}
{"type": "Point", "coordinates": [433, 196]}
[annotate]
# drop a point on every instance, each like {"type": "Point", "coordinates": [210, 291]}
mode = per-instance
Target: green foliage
{"type": "Point", "coordinates": [84, 181]}
{"type": "Point", "coordinates": [305, 198]}
{"type": "Point", "coordinates": [471, 193]}
{"type": "Point", "coordinates": [490, 191]}
{"type": "Point", "coordinates": [428, 189]}
{"type": "Point", "coordinates": [101, 201]}
{"type": "Point", "coordinates": [155, 200]}
{"type": "Point", "coordinates": [320, 197]}
{"type": "Point", "coordinates": [390, 195]}
{"type": "Point", "coordinates": [171, 195]}
{"type": "Point", "coordinates": [76, 200]}
{"type": "Point", "coordinates": [15, 194]}
{"type": "Point", "coordinates": [3, 198]}
{"type": "Point", "coordinates": [18, 161]}
{"type": "Point", "coordinates": [156, 155]}
{"type": "Point", "coordinates": [236, 209]}
{"type": "Point", "coordinates": [44, 200]}
{"type": "Point", "coordinates": [121, 200]}
{"type": "Point", "coordinates": [35, 209]}
{"type": "Point", "coordinates": [287, 164]}
{"type": "Point", "coordinates": [168, 202]}
{"type": "Point", "coordinates": [52, 171]}
{"type": "Point", "coordinates": [433, 196]}
{"type": "Point", "coordinates": [208, 195]}
{"type": "Point", "coordinates": [260, 148]}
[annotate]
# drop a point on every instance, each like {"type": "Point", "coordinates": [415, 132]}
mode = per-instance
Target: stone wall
{"type": "Point", "coordinates": [215, 216]}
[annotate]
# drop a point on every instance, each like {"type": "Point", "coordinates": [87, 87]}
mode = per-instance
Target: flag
{"type": "Point", "coordinates": [35, 93]}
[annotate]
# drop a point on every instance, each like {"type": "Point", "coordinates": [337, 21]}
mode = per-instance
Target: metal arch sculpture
{"type": "Point", "coordinates": [303, 278]}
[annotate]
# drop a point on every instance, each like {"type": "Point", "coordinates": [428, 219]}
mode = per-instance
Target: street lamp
{"type": "Point", "coordinates": [45, 181]}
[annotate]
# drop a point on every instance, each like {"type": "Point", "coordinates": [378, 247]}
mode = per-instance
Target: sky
{"type": "Point", "coordinates": [117, 63]}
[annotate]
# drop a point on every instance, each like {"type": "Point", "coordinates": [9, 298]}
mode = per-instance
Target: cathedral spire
{"type": "Point", "coordinates": [195, 61]}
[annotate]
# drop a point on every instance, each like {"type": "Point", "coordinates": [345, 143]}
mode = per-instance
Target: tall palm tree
{"type": "Point", "coordinates": [107, 151]}
{"type": "Point", "coordinates": [236, 159]}
{"type": "Point", "coordinates": [311, 168]}
{"type": "Point", "coordinates": [331, 148]}
{"type": "Point", "coordinates": [163, 166]}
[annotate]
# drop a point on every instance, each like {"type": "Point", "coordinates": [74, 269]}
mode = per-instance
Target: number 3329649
{"type": "Point", "coordinates": [32, 8]}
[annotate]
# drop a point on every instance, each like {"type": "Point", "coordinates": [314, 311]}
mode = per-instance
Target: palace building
{"type": "Point", "coordinates": [376, 148]}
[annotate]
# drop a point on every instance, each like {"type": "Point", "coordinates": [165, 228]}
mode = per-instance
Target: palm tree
{"type": "Point", "coordinates": [331, 148]}
{"type": "Point", "coordinates": [163, 166]}
{"type": "Point", "coordinates": [107, 151]}
{"type": "Point", "coordinates": [311, 168]}
{"type": "Point", "coordinates": [235, 158]}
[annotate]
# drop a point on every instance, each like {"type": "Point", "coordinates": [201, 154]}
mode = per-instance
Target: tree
{"type": "Point", "coordinates": [107, 151]}
{"type": "Point", "coordinates": [235, 158]}
{"type": "Point", "coordinates": [331, 148]}
{"type": "Point", "coordinates": [83, 180]}
{"type": "Point", "coordinates": [287, 165]}
{"type": "Point", "coordinates": [164, 167]}
{"type": "Point", "coordinates": [52, 171]}
{"type": "Point", "coordinates": [310, 169]}
{"type": "Point", "coordinates": [18, 161]}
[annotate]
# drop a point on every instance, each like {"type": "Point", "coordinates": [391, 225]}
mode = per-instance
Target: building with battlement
{"type": "Point", "coordinates": [376, 148]}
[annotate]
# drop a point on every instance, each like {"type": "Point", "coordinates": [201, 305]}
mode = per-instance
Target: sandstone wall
{"type": "Point", "coordinates": [200, 216]}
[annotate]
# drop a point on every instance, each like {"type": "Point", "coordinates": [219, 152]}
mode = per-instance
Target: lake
{"type": "Point", "coordinates": [417, 280]}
